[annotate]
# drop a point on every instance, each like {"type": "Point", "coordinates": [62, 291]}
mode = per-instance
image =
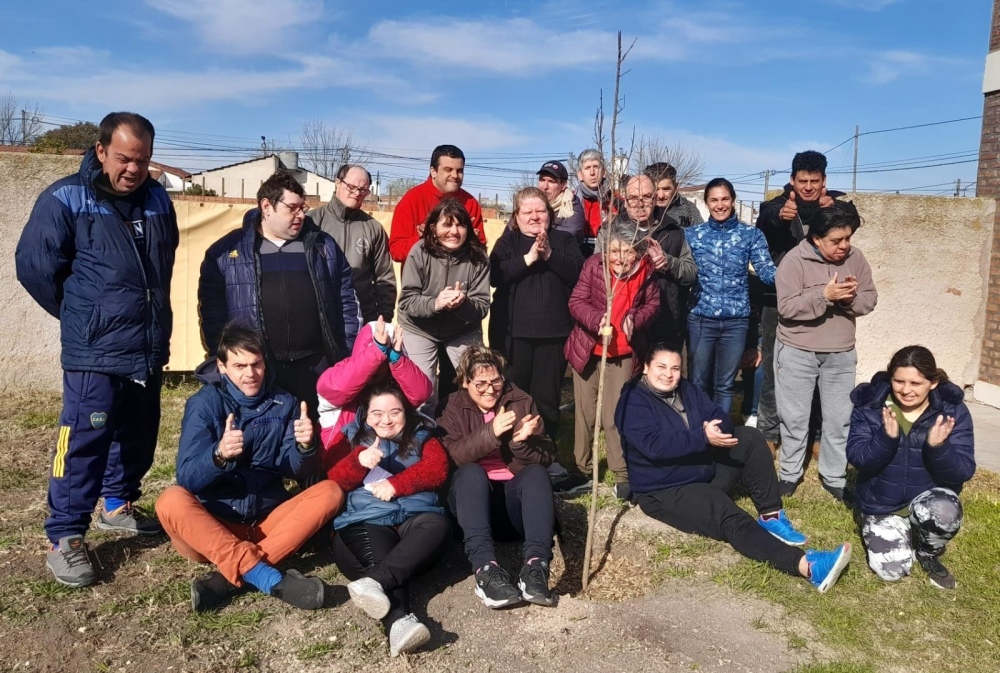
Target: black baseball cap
{"type": "Point", "coordinates": [555, 169]}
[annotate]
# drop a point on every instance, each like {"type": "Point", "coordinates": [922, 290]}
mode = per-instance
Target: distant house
{"type": "Point", "coordinates": [243, 179]}
{"type": "Point", "coordinates": [172, 179]}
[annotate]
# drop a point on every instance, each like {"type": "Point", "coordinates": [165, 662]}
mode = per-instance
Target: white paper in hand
{"type": "Point", "coordinates": [375, 475]}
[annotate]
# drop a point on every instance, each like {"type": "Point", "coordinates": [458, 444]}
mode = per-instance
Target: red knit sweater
{"type": "Point", "coordinates": [412, 210]}
{"type": "Point", "coordinates": [427, 474]}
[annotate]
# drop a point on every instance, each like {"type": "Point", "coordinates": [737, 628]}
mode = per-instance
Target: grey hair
{"type": "Point", "coordinates": [626, 231]}
{"type": "Point", "coordinates": [590, 155]}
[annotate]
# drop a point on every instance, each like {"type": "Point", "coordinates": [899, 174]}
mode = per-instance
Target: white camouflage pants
{"type": "Point", "coordinates": [935, 517]}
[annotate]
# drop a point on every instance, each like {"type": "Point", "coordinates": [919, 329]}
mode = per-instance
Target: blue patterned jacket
{"type": "Point", "coordinates": [722, 251]}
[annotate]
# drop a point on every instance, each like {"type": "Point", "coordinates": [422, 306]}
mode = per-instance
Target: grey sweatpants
{"type": "Point", "coordinates": [796, 373]}
{"type": "Point", "coordinates": [424, 353]}
{"type": "Point", "coordinates": [935, 517]}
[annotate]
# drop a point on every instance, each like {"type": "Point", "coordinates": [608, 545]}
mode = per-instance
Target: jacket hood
{"type": "Point", "coordinates": [874, 394]}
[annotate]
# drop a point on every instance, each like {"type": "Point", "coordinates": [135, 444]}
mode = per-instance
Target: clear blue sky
{"type": "Point", "coordinates": [744, 83]}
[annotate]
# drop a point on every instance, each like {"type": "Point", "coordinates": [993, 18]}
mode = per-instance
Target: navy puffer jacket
{"type": "Point", "coordinates": [78, 259]}
{"type": "Point", "coordinates": [229, 287]}
{"type": "Point", "coordinates": [892, 472]}
{"type": "Point", "coordinates": [248, 487]}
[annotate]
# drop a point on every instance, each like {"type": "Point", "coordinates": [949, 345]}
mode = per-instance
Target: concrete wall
{"type": "Point", "coordinates": [30, 336]}
{"type": "Point", "coordinates": [930, 258]}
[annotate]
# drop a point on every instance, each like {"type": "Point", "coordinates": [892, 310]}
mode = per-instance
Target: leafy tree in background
{"type": "Point", "coordinates": [80, 136]}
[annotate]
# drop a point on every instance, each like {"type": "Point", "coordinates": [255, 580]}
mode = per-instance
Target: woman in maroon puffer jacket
{"type": "Point", "coordinates": [634, 306]}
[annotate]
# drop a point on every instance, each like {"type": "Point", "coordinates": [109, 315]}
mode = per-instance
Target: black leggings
{"type": "Point", "coordinates": [391, 555]}
{"type": "Point", "coordinates": [521, 508]}
{"type": "Point", "coordinates": [707, 509]}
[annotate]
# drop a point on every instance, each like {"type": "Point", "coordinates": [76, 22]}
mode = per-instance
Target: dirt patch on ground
{"type": "Point", "coordinates": [652, 606]}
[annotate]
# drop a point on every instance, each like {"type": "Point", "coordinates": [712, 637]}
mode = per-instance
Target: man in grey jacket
{"type": "Point", "coordinates": [363, 240]}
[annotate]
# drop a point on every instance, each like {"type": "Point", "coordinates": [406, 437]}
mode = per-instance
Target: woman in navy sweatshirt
{"type": "Point", "coordinates": [684, 457]}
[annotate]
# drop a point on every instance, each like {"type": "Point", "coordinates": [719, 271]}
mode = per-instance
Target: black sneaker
{"type": "Point", "coordinates": [936, 572]}
{"type": "Point", "coordinates": [623, 492]}
{"type": "Point", "coordinates": [787, 488]}
{"type": "Point", "coordinates": [494, 588]}
{"type": "Point", "coordinates": [534, 583]}
{"type": "Point", "coordinates": [572, 484]}
{"type": "Point", "coordinates": [211, 591]}
{"type": "Point", "coordinates": [840, 494]}
{"type": "Point", "coordinates": [305, 593]}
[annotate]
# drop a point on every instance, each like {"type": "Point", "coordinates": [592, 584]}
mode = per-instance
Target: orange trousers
{"type": "Point", "coordinates": [235, 547]}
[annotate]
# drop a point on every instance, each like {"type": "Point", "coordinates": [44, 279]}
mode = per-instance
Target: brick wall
{"type": "Point", "coordinates": [988, 185]}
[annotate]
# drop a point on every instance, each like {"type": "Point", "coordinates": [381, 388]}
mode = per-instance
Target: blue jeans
{"type": "Point", "coordinates": [715, 346]}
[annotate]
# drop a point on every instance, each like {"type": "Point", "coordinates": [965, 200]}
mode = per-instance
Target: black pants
{"type": "Point", "coordinates": [299, 377]}
{"type": "Point", "coordinates": [537, 366]}
{"type": "Point", "coordinates": [391, 556]}
{"type": "Point", "coordinates": [521, 508]}
{"type": "Point", "coordinates": [707, 509]}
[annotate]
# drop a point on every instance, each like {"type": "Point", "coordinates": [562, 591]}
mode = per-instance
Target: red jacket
{"type": "Point", "coordinates": [427, 474]}
{"type": "Point", "coordinates": [340, 386]}
{"type": "Point", "coordinates": [412, 210]}
{"type": "Point", "coordinates": [588, 303]}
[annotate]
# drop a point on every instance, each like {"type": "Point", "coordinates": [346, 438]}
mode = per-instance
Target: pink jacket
{"type": "Point", "coordinates": [588, 304]}
{"type": "Point", "coordinates": [340, 386]}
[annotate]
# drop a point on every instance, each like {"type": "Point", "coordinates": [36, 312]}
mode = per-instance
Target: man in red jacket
{"type": "Point", "coordinates": [445, 181]}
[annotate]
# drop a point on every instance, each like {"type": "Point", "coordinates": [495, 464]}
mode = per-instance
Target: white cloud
{"type": "Point", "coordinates": [888, 66]}
{"type": "Point", "coordinates": [245, 26]}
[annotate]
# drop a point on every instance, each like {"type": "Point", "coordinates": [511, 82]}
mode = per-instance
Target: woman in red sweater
{"type": "Point", "coordinates": [622, 267]}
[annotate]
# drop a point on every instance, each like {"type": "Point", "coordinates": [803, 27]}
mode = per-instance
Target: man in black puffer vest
{"type": "Point", "coordinates": [670, 254]}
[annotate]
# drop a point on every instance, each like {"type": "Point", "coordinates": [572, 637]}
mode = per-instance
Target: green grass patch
{"type": "Point", "coordinates": [15, 479]}
{"type": "Point", "coordinates": [317, 650]}
{"type": "Point", "coordinates": [37, 420]}
{"type": "Point", "coordinates": [908, 625]}
{"type": "Point", "coordinates": [48, 589]}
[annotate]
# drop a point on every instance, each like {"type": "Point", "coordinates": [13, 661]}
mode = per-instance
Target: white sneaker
{"type": "Point", "coordinates": [368, 595]}
{"type": "Point", "coordinates": [406, 635]}
{"type": "Point", "coordinates": [750, 421]}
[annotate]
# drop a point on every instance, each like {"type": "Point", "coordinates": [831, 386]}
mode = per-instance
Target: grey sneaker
{"type": "Point", "coordinates": [369, 595]}
{"type": "Point", "coordinates": [70, 564]}
{"type": "Point", "coordinates": [406, 635]}
{"type": "Point", "coordinates": [128, 519]}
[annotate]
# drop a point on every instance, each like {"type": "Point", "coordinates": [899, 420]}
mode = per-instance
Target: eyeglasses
{"type": "Point", "coordinates": [295, 210]}
{"type": "Point", "coordinates": [635, 200]}
{"type": "Point", "coordinates": [354, 189]}
{"type": "Point", "coordinates": [483, 386]}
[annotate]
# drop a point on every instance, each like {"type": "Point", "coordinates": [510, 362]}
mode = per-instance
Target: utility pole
{"type": "Point", "coordinates": [958, 186]}
{"type": "Point", "coordinates": [24, 127]}
{"type": "Point", "coordinates": [767, 180]}
{"type": "Point", "coordinates": [854, 178]}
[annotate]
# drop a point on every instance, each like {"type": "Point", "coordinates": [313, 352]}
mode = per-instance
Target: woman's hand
{"type": "Point", "coordinates": [530, 425]}
{"type": "Point", "coordinates": [656, 255]}
{"type": "Point", "coordinates": [941, 431]}
{"type": "Point", "coordinates": [503, 421]}
{"type": "Point", "coordinates": [379, 333]}
{"type": "Point", "coordinates": [539, 250]}
{"type": "Point", "coordinates": [845, 291]}
{"type": "Point", "coordinates": [628, 324]}
{"type": "Point", "coordinates": [890, 423]}
{"type": "Point", "coordinates": [383, 490]}
{"type": "Point", "coordinates": [397, 338]}
{"type": "Point", "coordinates": [371, 456]}
{"type": "Point", "coordinates": [717, 437]}
{"type": "Point", "coordinates": [751, 359]}
{"type": "Point", "coordinates": [449, 298]}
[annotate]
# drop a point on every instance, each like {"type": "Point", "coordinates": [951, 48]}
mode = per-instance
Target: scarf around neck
{"type": "Point", "coordinates": [563, 204]}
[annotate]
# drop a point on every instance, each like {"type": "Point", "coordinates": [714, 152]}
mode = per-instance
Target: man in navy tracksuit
{"type": "Point", "coordinates": [97, 253]}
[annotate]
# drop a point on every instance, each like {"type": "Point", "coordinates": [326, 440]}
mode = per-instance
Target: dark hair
{"type": "Point", "coordinates": [721, 182]}
{"type": "Point", "coordinates": [661, 171]}
{"type": "Point", "coordinates": [449, 151]}
{"type": "Point", "coordinates": [274, 188]}
{"type": "Point", "coordinates": [136, 123]}
{"type": "Point", "coordinates": [662, 347]}
{"type": "Point", "coordinates": [452, 209]}
{"type": "Point", "coordinates": [841, 214]}
{"type": "Point", "coordinates": [531, 193]}
{"type": "Point", "coordinates": [475, 357]}
{"type": "Point", "coordinates": [809, 161]}
{"type": "Point", "coordinates": [921, 359]}
{"type": "Point", "coordinates": [239, 337]}
{"type": "Point", "coordinates": [346, 168]}
{"type": "Point", "coordinates": [366, 436]}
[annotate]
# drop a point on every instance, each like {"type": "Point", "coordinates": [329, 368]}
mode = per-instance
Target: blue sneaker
{"type": "Point", "coordinates": [782, 529]}
{"type": "Point", "coordinates": [825, 566]}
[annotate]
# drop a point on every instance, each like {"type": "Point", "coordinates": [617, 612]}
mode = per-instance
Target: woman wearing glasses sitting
{"type": "Point", "coordinates": [723, 248]}
{"type": "Point", "coordinates": [501, 490]}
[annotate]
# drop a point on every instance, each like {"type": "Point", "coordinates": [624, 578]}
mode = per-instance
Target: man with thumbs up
{"type": "Point", "coordinates": [785, 221]}
{"type": "Point", "coordinates": [240, 437]}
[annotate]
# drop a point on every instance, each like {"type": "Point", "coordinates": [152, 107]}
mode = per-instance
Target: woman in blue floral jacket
{"type": "Point", "coordinates": [723, 248]}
